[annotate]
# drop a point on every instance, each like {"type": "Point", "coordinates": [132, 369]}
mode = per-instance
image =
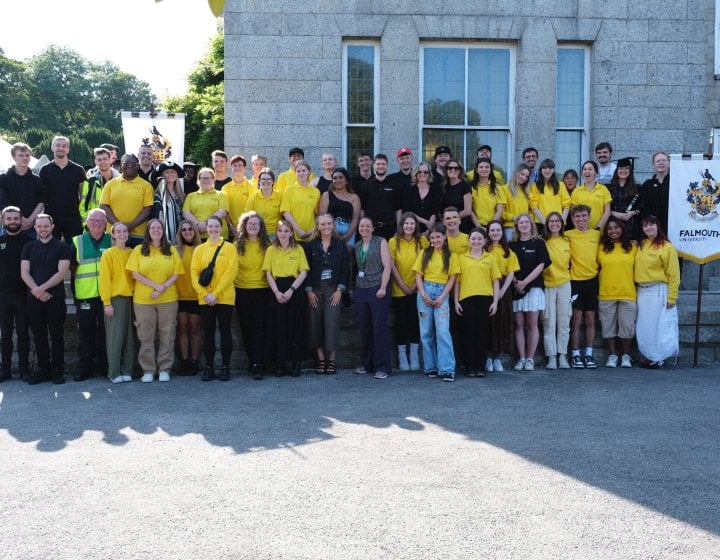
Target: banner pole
{"type": "Point", "coordinates": [697, 316]}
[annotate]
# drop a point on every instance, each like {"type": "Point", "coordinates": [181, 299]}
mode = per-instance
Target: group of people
{"type": "Point", "coordinates": [472, 265]}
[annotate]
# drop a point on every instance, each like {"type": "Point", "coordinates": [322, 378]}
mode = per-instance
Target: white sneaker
{"type": "Point", "coordinates": [497, 364]}
{"type": "Point", "coordinates": [164, 376]}
{"type": "Point", "coordinates": [529, 364]}
{"type": "Point", "coordinates": [127, 377]}
{"type": "Point", "coordinates": [489, 365]}
{"type": "Point", "coordinates": [520, 365]}
{"type": "Point", "coordinates": [612, 361]}
{"type": "Point", "coordinates": [626, 361]}
{"type": "Point", "coordinates": [147, 377]}
{"type": "Point", "coordinates": [552, 362]}
{"type": "Point", "coordinates": [563, 362]}
{"type": "Point", "coordinates": [118, 379]}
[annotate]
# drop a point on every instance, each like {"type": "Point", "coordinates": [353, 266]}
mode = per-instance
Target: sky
{"type": "Point", "coordinates": [157, 42]}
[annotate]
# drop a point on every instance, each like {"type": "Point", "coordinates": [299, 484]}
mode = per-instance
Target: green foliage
{"type": "Point", "coordinates": [204, 104]}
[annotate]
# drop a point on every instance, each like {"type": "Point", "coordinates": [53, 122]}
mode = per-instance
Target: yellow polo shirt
{"type": "Point", "coordinates": [126, 199]}
{"type": "Point", "coordinates": [616, 273]}
{"type": "Point", "coordinates": [506, 265]}
{"type": "Point", "coordinates": [114, 279]}
{"type": "Point", "coordinates": [459, 244]}
{"type": "Point", "coordinates": [158, 268]}
{"type": "Point", "coordinates": [202, 205]}
{"type": "Point", "coordinates": [185, 289]}
{"type": "Point", "coordinates": [595, 199]}
{"type": "Point", "coordinates": [558, 272]}
{"type": "Point", "coordinates": [434, 271]}
{"type": "Point", "coordinates": [302, 203]}
{"type": "Point", "coordinates": [548, 201]}
{"type": "Point", "coordinates": [286, 263]}
{"type": "Point", "coordinates": [583, 253]}
{"type": "Point", "coordinates": [484, 203]}
{"type": "Point", "coordinates": [237, 195]}
{"type": "Point", "coordinates": [658, 264]}
{"type": "Point", "coordinates": [476, 276]}
{"type": "Point", "coordinates": [224, 272]}
{"type": "Point", "coordinates": [268, 208]}
{"type": "Point", "coordinates": [514, 206]}
{"type": "Point", "coordinates": [250, 273]}
{"type": "Point", "coordinates": [404, 254]}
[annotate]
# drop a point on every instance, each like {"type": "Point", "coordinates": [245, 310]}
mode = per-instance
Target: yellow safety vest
{"type": "Point", "coordinates": [87, 273]}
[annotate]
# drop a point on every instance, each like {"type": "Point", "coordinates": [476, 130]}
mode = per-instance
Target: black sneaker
{"type": "Point", "coordinates": [224, 373]}
{"type": "Point", "coordinates": [208, 374]}
{"type": "Point", "coordinates": [577, 362]}
{"type": "Point", "coordinates": [590, 361]}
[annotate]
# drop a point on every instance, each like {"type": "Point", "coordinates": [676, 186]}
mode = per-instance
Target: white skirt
{"type": "Point", "coordinates": [657, 329]}
{"type": "Point", "coordinates": [534, 300]}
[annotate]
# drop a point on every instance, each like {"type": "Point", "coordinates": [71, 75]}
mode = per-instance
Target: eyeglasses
{"type": "Point", "coordinates": [424, 172]}
{"type": "Point", "coordinates": [253, 224]}
{"type": "Point", "coordinates": [265, 179]}
{"type": "Point", "coordinates": [206, 179]}
{"type": "Point", "coordinates": [453, 168]}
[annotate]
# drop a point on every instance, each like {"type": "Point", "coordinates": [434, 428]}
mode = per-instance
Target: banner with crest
{"type": "Point", "coordinates": [164, 132]}
{"type": "Point", "coordinates": [694, 207]}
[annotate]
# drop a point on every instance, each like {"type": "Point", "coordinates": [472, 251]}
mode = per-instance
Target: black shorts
{"type": "Point", "coordinates": [189, 306]}
{"type": "Point", "coordinates": [584, 294]}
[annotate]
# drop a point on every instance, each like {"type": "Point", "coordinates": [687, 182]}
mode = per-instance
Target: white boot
{"type": "Point", "coordinates": [414, 358]}
{"type": "Point", "coordinates": [402, 358]}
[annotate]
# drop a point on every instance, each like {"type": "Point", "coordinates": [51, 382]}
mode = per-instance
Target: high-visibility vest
{"type": "Point", "coordinates": [87, 273]}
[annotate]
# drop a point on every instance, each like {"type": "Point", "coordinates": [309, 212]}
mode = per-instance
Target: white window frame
{"type": "Point", "coordinates": [376, 99]}
{"type": "Point", "coordinates": [585, 129]}
{"type": "Point", "coordinates": [510, 129]}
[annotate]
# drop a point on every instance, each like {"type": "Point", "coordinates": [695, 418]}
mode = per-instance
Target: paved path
{"type": "Point", "coordinates": [605, 464]}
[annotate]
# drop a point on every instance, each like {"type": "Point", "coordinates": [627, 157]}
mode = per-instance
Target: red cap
{"type": "Point", "coordinates": [404, 151]}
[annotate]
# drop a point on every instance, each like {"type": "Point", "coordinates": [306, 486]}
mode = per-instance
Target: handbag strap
{"type": "Point", "coordinates": [212, 262]}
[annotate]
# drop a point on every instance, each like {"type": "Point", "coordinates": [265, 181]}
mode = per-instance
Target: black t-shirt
{"type": "Point", "coordinates": [453, 195]}
{"type": "Point", "coordinates": [10, 251]}
{"type": "Point", "coordinates": [380, 199]}
{"type": "Point", "coordinates": [44, 259]}
{"type": "Point", "coordinates": [24, 191]}
{"type": "Point", "coordinates": [423, 207]}
{"type": "Point", "coordinates": [654, 199]}
{"type": "Point", "coordinates": [531, 253]}
{"type": "Point", "coordinates": [220, 183]}
{"type": "Point", "coordinates": [62, 188]}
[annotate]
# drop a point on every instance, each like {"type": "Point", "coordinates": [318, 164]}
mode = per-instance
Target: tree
{"type": "Point", "coordinates": [14, 94]}
{"type": "Point", "coordinates": [204, 104]}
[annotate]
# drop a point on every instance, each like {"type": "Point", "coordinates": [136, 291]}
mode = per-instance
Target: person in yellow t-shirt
{"type": "Point", "coordinates": [594, 195]}
{"type": "Point", "coordinates": [189, 324]}
{"type": "Point", "coordinates": [300, 203]}
{"type": "Point", "coordinates": [116, 290]}
{"type": "Point", "coordinates": [476, 297]}
{"type": "Point", "coordinates": [657, 275]}
{"type": "Point", "coordinates": [238, 191]}
{"type": "Point", "coordinates": [617, 307]}
{"type": "Point", "coordinates": [155, 266]}
{"type": "Point", "coordinates": [517, 198]}
{"type": "Point", "coordinates": [266, 201]}
{"type": "Point", "coordinates": [286, 267]}
{"type": "Point", "coordinates": [488, 196]}
{"type": "Point", "coordinates": [558, 289]}
{"type": "Point", "coordinates": [584, 282]}
{"type": "Point", "coordinates": [252, 292]}
{"type": "Point", "coordinates": [457, 240]}
{"type": "Point", "coordinates": [404, 249]}
{"type": "Point", "coordinates": [435, 270]}
{"type": "Point", "coordinates": [287, 178]}
{"type": "Point", "coordinates": [205, 202]}
{"type": "Point", "coordinates": [547, 195]}
{"type": "Point", "coordinates": [217, 298]}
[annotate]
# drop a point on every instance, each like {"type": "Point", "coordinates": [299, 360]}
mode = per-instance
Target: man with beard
{"type": "Point", "coordinates": [380, 199]}
{"type": "Point", "coordinates": [128, 199]}
{"type": "Point", "coordinates": [13, 296]}
{"type": "Point", "coordinates": [606, 168]}
{"type": "Point", "coordinates": [443, 154]}
{"type": "Point", "coordinates": [43, 266]}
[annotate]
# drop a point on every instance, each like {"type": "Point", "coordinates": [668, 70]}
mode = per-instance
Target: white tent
{"type": "Point", "coordinates": [6, 160]}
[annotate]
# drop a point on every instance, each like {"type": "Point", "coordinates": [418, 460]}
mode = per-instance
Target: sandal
{"type": "Point", "coordinates": [321, 367]}
{"type": "Point", "coordinates": [330, 367]}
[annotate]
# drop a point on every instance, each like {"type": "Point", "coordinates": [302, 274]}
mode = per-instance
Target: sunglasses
{"type": "Point", "coordinates": [453, 168]}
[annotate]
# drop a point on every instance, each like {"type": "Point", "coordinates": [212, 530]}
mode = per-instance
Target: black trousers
{"type": "Point", "coordinates": [48, 317]}
{"type": "Point", "coordinates": [285, 327]}
{"type": "Point", "coordinates": [217, 315]}
{"type": "Point", "coordinates": [475, 330]}
{"type": "Point", "coordinates": [407, 325]}
{"type": "Point", "coordinates": [91, 336]}
{"type": "Point", "coordinates": [13, 315]}
{"type": "Point", "coordinates": [252, 306]}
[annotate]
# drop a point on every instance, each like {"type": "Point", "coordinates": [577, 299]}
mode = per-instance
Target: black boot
{"type": "Point", "coordinates": [209, 374]}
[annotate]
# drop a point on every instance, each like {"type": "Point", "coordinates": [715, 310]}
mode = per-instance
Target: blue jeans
{"type": "Point", "coordinates": [435, 335]}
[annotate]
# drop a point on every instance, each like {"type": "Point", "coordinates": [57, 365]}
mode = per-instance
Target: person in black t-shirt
{"type": "Point", "coordinates": [380, 199]}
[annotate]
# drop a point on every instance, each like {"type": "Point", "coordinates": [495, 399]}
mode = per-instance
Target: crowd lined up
{"type": "Point", "coordinates": [471, 263]}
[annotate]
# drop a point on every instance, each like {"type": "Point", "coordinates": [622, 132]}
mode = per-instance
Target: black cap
{"type": "Point", "coordinates": [294, 151]}
{"type": "Point", "coordinates": [485, 147]}
{"type": "Point", "coordinates": [442, 150]}
{"type": "Point", "coordinates": [626, 162]}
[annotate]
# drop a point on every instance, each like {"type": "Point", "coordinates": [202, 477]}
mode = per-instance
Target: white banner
{"type": "Point", "coordinates": [694, 206]}
{"type": "Point", "coordinates": [164, 132]}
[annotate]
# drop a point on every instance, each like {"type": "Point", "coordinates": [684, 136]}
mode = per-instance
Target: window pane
{"type": "Point", "coordinates": [488, 87]}
{"type": "Point", "coordinates": [358, 138]}
{"type": "Point", "coordinates": [497, 140]}
{"type": "Point", "coordinates": [432, 138]}
{"type": "Point", "coordinates": [361, 84]}
{"type": "Point", "coordinates": [444, 86]}
{"type": "Point", "coordinates": [571, 87]}
{"type": "Point", "coordinates": [568, 145]}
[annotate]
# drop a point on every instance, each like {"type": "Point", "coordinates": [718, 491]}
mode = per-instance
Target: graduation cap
{"type": "Point", "coordinates": [626, 162]}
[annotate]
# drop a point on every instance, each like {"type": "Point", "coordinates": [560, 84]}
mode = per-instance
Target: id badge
{"type": "Point", "coordinates": [326, 274]}
{"type": "Point", "coordinates": [85, 306]}
{"type": "Point", "coordinates": [361, 274]}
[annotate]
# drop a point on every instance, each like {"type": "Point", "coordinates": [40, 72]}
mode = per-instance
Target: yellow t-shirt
{"type": "Point", "coordinates": [126, 200]}
{"type": "Point", "coordinates": [548, 201]}
{"type": "Point", "coordinates": [185, 289]}
{"type": "Point", "coordinates": [287, 178]}
{"type": "Point", "coordinates": [476, 276]}
{"type": "Point", "coordinates": [514, 206]}
{"type": "Point", "coordinates": [595, 199]}
{"type": "Point", "coordinates": [459, 244]}
{"type": "Point", "coordinates": [268, 208]}
{"type": "Point", "coordinates": [506, 265]}
{"type": "Point", "coordinates": [302, 203]}
{"type": "Point", "coordinates": [237, 195]}
{"type": "Point", "coordinates": [558, 272]}
{"type": "Point", "coordinates": [484, 203]}
{"type": "Point", "coordinates": [583, 253]}
{"type": "Point", "coordinates": [285, 263]}
{"type": "Point", "coordinates": [434, 271]}
{"type": "Point", "coordinates": [158, 268]}
{"type": "Point", "coordinates": [470, 175]}
{"type": "Point", "coordinates": [114, 279]}
{"type": "Point", "coordinates": [224, 272]}
{"type": "Point", "coordinates": [250, 273]}
{"type": "Point", "coordinates": [658, 264]}
{"type": "Point", "coordinates": [404, 254]}
{"type": "Point", "coordinates": [202, 205]}
{"type": "Point", "coordinates": [616, 273]}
